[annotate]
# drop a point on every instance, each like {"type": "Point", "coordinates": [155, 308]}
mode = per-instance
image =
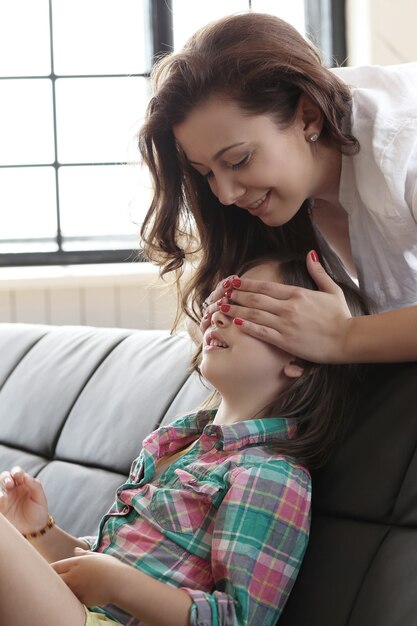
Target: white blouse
{"type": "Point", "coordinates": [378, 187]}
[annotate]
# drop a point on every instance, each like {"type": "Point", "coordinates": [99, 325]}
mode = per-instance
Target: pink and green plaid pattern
{"type": "Point", "coordinates": [227, 522]}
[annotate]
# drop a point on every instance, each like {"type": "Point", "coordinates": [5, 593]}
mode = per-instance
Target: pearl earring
{"type": "Point", "coordinates": [313, 137]}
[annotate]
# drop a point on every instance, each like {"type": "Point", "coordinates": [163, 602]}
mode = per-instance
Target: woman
{"type": "Point", "coordinates": [253, 145]}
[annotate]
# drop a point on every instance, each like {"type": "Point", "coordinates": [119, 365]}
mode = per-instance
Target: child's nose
{"type": "Point", "coordinates": [219, 319]}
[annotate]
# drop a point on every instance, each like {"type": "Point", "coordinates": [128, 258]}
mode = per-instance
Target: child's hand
{"type": "Point", "coordinates": [91, 576]}
{"type": "Point", "coordinates": [23, 501]}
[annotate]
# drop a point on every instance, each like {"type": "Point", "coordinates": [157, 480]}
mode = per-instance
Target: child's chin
{"type": "Point", "coordinates": [209, 371]}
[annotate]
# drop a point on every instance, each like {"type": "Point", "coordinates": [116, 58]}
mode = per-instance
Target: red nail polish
{"type": "Point", "coordinates": [225, 308]}
{"type": "Point", "coordinates": [207, 315]}
{"type": "Point", "coordinates": [237, 321]}
{"type": "Point", "coordinates": [236, 282]}
{"type": "Point", "coordinates": [228, 293]}
{"type": "Point", "coordinates": [226, 283]}
{"type": "Point", "coordinates": [314, 256]}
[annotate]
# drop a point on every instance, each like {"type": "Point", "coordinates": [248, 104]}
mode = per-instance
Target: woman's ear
{"type": "Point", "coordinates": [311, 117]}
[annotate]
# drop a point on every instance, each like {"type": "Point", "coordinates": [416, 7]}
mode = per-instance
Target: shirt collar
{"type": "Point", "coordinates": [267, 431]}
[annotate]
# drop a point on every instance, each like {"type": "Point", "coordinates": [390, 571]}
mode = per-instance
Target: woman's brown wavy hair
{"type": "Point", "coordinates": [263, 64]}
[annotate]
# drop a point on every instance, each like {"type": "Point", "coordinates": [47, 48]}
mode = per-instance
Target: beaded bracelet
{"type": "Point", "coordinates": [39, 533]}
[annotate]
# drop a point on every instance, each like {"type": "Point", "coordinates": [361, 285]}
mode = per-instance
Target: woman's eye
{"type": "Point", "coordinates": [241, 163]}
{"type": "Point", "coordinates": [208, 175]}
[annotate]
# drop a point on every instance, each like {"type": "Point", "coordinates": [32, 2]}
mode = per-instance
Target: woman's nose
{"type": "Point", "coordinates": [228, 190]}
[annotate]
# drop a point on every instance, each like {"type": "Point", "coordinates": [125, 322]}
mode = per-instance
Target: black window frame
{"type": "Point", "coordinates": [325, 24]}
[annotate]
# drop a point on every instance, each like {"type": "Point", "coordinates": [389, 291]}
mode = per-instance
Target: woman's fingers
{"type": "Point", "coordinates": [210, 304]}
{"type": "Point", "coordinates": [317, 272]}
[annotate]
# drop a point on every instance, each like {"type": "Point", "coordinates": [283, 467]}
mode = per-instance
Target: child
{"type": "Point", "coordinates": [212, 523]}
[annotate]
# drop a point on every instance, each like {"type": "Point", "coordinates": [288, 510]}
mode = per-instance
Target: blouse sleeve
{"type": "Point", "coordinates": [259, 540]}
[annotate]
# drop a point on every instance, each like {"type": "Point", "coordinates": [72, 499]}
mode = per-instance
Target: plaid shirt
{"type": "Point", "coordinates": [227, 522]}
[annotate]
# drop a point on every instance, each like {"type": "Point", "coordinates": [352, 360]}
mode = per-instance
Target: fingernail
{"type": "Point", "coordinates": [225, 308]}
{"type": "Point", "coordinates": [236, 282]}
{"type": "Point", "coordinates": [228, 293]}
{"type": "Point", "coordinates": [237, 321]}
{"type": "Point", "coordinates": [219, 302]}
{"type": "Point", "coordinates": [226, 283]}
{"type": "Point", "coordinates": [207, 315]}
{"type": "Point", "coordinates": [314, 256]}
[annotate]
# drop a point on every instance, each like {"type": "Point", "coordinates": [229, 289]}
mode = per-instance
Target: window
{"type": "Point", "coordinates": [74, 82]}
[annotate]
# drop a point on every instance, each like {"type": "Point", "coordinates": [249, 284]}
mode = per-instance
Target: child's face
{"type": "Point", "coordinates": [235, 362]}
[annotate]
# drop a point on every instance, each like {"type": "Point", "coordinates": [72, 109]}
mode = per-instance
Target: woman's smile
{"type": "Point", "coordinates": [250, 161]}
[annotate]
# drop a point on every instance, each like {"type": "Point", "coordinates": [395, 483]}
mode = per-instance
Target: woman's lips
{"type": "Point", "coordinates": [257, 209]}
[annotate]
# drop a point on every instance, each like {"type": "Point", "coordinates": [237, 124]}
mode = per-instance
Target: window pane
{"type": "Point", "coordinates": [100, 36]}
{"type": "Point", "coordinates": [98, 117]}
{"type": "Point", "coordinates": [28, 209]}
{"type": "Point", "coordinates": [26, 122]}
{"type": "Point", "coordinates": [100, 201]}
{"type": "Point", "coordinates": [190, 16]}
{"type": "Point", "coordinates": [24, 38]}
{"type": "Point", "coordinates": [292, 12]}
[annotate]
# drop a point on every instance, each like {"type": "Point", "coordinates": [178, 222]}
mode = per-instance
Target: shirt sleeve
{"type": "Point", "coordinates": [90, 540]}
{"type": "Point", "coordinates": [259, 540]}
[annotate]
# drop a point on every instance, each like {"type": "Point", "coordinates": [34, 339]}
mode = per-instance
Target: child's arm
{"type": "Point", "coordinates": [99, 579]}
{"type": "Point", "coordinates": [23, 503]}
{"type": "Point", "coordinates": [259, 540]}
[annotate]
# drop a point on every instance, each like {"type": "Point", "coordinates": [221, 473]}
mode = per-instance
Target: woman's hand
{"type": "Point", "coordinates": [91, 576]}
{"type": "Point", "coordinates": [221, 292]}
{"type": "Point", "coordinates": [23, 501]}
{"type": "Point", "coordinates": [312, 325]}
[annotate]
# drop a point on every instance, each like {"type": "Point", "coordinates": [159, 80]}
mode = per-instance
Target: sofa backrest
{"type": "Point", "coordinates": [76, 403]}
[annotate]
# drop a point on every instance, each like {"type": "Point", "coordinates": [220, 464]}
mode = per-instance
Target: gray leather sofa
{"type": "Point", "coordinates": [76, 403]}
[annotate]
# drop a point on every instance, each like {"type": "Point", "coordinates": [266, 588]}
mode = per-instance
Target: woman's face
{"type": "Point", "coordinates": [250, 162]}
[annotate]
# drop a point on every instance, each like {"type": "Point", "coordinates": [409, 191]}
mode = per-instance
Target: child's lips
{"type": "Point", "coordinates": [213, 339]}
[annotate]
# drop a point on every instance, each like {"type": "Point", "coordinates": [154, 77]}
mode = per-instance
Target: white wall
{"type": "Point", "coordinates": [125, 295]}
{"type": "Point", "coordinates": [381, 32]}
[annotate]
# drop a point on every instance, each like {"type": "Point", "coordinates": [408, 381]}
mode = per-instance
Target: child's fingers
{"type": "Point", "coordinates": [3, 501]}
{"type": "Point", "coordinates": [18, 475]}
{"type": "Point", "coordinates": [6, 481]}
{"type": "Point", "coordinates": [64, 566]}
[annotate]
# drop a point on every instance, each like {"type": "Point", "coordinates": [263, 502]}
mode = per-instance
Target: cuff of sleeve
{"type": "Point", "coordinates": [90, 541]}
{"type": "Point", "coordinates": [203, 612]}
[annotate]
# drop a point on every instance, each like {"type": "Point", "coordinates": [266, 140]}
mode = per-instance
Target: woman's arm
{"type": "Point", "coordinates": [318, 326]}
